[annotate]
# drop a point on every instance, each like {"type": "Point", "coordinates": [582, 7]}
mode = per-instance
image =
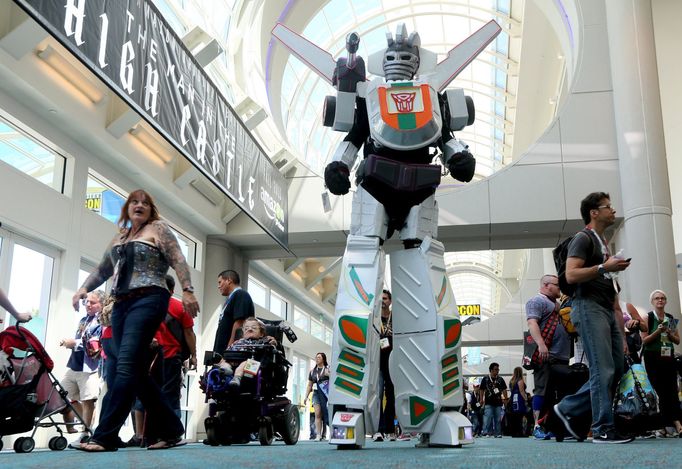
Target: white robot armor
{"type": "Point", "coordinates": [403, 115]}
{"type": "Point", "coordinates": [397, 120]}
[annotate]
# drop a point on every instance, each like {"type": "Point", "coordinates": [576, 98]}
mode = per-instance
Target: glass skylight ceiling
{"type": "Point", "coordinates": [299, 93]}
{"type": "Point", "coordinates": [441, 26]}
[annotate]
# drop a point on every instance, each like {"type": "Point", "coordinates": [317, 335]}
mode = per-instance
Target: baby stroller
{"type": "Point", "coordinates": [258, 406]}
{"type": "Point", "coordinates": [30, 395]}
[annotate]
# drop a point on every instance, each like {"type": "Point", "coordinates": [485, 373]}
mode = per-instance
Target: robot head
{"type": "Point", "coordinates": [401, 59]}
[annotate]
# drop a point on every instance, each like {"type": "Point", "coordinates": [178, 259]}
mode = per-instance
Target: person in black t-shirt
{"type": "Point", "coordinates": [236, 308]}
{"type": "Point", "coordinates": [493, 394]}
{"type": "Point", "coordinates": [387, 417]}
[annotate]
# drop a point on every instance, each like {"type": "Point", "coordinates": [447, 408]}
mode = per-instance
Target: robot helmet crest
{"type": "Point", "coordinates": [401, 59]}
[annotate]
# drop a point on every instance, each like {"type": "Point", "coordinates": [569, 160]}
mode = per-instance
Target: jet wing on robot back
{"type": "Point", "coordinates": [319, 60]}
{"type": "Point", "coordinates": [462, 55]}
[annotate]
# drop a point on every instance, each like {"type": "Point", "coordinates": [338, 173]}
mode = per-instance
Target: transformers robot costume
{"type": "Point", "coordinates": [397, 118]}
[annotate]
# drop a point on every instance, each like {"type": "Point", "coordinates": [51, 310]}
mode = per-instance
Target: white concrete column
{"type": "Point", "coordinates": [220, 255]}
{"type": "Point", "coordinates": [646, 207]}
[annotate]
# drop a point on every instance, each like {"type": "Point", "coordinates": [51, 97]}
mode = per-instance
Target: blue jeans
{"type": "Point", "coordinates": [603, 344]}
{"type": "Point", "coordinates": [492, 420]}
{"type": "Point", "coordinates": [172, 382]}
{"type": "Point", "coordinates": [134, 323]}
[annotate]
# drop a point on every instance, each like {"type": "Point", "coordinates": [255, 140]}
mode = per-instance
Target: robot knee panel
{"type": "Point", "coordinates": [368, 216]}
{"type": "Point", "coordinates": [422, 221]}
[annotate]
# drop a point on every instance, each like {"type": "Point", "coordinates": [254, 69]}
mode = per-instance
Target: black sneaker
{"type": "Point", "coordinates": [611, 437]}
{"type": "Point", "coordinates": [566, 421]}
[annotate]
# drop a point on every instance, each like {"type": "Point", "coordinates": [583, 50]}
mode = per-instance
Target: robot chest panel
{"type": "Point", "coordinates": [404, 115]}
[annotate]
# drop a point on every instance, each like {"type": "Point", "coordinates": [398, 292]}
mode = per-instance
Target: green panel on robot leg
{"type": "Point", "coordinates": [353, 397]}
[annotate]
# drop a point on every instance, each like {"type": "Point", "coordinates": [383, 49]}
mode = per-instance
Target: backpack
{"type": "Point", "coordinates": [175, 328]}
{"type": "Point", "coordinates": [560, 254]}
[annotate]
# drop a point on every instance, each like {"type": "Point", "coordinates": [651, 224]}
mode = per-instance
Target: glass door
{"type": "Point", "coordinates": [31, 269]}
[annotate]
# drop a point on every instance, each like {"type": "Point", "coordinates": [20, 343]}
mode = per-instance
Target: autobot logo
{"type": "Point", "coordinates": [404, 102]}
{"type": "Point", "coordinates": [346, 417]}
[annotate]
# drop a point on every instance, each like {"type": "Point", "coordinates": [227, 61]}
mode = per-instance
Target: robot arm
{"type": "Point", "coordinates": [459, 161]}
{"type": "Point", "coordinates": [337, 173]}
{"type": "Point", "coordinates": [458, 112]}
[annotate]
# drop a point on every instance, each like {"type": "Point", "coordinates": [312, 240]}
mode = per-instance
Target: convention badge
{"type": "Point", "coordinates": [384, 343]}
{"type": "Point", "coordinates": [251, 367]}
{"type": "Point", "coordinates": [496, 391]}
{"type": "Point", "coordinates": [666, 351]}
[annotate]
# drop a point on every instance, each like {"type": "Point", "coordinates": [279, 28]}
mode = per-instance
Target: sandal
{"type": "Point", "coordinates": [92, 447]}
{"type": "Point", "coordinates": [165, 444]}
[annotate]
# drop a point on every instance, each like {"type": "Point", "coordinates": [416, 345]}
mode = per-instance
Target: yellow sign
{"type": "Point", "coordinates": [469, 310]}
{"type": "Point", "coordinates": [94, 202]}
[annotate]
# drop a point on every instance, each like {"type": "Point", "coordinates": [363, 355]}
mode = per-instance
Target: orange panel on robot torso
{"type": "Point", "coordinates": [405, 107]}
{"type": "Point", "coordinates": [406, 114]}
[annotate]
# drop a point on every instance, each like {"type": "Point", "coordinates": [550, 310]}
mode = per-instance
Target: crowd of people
{"type": "Point", "coordinates": [139, 339]}
{"type": "Point", "coordinates": [602, 332]}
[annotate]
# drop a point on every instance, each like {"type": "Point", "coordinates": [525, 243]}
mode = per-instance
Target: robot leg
{"type": "Point", "coordinates": [425, 361]}
{"type": "Point", "coordinates": [353, 398]}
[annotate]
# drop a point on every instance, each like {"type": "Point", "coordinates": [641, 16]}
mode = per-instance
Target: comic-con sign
{"type": "Point", "coordinates": [469, 310]}
{"type": "Point", "coordinates": [129, 45]}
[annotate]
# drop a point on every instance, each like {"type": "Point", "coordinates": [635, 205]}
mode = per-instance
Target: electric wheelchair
{"type": "Point", "coordinates": [258, 405]}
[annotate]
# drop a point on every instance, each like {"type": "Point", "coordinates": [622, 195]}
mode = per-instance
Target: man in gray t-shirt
{"type": "Point", "coordinates": [539, 312]}
{"type": "Point", "coordinates": [590, 266]}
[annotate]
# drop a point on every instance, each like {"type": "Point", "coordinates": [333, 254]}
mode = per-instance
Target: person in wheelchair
{"type": "Point", "coordinates": [254, 335]}
{"type": "Point", "coordinates": [257, 406]}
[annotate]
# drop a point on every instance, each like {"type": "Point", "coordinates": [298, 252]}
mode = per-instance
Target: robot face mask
{"type": "Point", "coordinates": [401, 59]}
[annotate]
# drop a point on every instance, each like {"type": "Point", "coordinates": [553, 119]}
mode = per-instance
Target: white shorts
{"type": "Point", "coordinates": [81, 385]}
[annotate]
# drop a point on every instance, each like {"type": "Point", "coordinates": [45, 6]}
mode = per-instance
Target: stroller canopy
{"type": "Point", "coordinates": [22, 339]}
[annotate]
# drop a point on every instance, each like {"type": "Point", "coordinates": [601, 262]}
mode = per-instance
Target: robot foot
{"type": "Point", "coordinates": [424, 441]}
{"type": "Point", "coordinates": [452, 430]}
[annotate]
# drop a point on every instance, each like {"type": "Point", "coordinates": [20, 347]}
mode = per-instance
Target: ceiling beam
{"type": "Point", "coordinates": [23, 34]}
{"type": "Point", "coordinates": [291, 264]}
{"type": "Point", "coordinates": [327, 270]}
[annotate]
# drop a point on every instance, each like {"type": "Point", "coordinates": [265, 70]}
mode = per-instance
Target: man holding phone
{"type": "Point", "coordinates": [595, 306]}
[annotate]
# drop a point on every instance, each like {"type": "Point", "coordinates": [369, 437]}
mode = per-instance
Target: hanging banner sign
{"type": "Point", "coordinates": [129, 46]}
{"type": "Point", "coordinates": [469, 310]}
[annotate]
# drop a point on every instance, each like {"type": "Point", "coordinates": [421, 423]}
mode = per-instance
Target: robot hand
{"type": "Point", "coordinates": [337, 178]}
{"type": "Point", "coordinates": [462, 166]}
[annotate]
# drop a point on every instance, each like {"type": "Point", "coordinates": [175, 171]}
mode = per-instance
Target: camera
{"type": "Point", "coordinates": [288, 331]}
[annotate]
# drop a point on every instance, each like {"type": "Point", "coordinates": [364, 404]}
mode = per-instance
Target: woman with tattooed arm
{"type": "Point", "coordinates": [138, 259]}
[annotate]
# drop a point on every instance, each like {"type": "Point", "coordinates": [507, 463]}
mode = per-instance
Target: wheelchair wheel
{"type": "Point", "coordinates": [215, 435]}
{"type": "Point", "coordinates": [289, 427]}
{"type": "Point", "coordinates": [266, 434]}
